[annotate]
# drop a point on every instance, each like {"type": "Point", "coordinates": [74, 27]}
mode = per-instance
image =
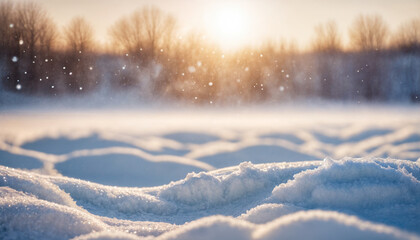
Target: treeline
{"type": "Point", "coordinates": [147, 57]}
{"type": "Point", "coordinates": [37, 58]}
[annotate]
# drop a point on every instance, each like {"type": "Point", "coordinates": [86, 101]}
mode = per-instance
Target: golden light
{"type": "Point", "coordinates": [227, 24]}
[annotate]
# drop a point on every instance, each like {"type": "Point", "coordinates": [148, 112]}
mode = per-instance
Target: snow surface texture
{"type": "Point", "coordinates": [381, 192]}
{"type": "Point", "coordinates": [191, 177]}
{"type": "Point", "coordinates": [132, 146]}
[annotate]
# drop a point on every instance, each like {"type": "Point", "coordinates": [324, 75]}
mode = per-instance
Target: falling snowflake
{"type": "Point", "coordinates": [191, 69]}
{"type": "Point", "coordinates": [18, 87]}
{"type": "Point", "coordinates": [15, 59]}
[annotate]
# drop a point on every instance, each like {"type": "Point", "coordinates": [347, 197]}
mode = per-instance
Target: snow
{"type": "Point", "coordinates": [327, 225]}
{"type": "Point", "coordinates": [268, 212]}
{"type": "Point", "coordinates": [382, 191]}
{"type": "Point", "coordinates": [25, 216]}
{"type": "Point", "coordinates": [204, 190]}
{"type": "Point", "coordinates": [289, 174]}
{"type": "Point", "coordinates": [385, 188]}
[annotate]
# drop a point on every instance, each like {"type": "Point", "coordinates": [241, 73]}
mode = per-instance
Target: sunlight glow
{"type": "Point", "coordinates": [228, 25]}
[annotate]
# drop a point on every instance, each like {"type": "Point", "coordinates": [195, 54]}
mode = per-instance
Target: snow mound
{"type": "Point", "coordinates": [209, 189]}
{"type": "Point", "coordinates": [319, 224]}
{"type": "Point", "coordinates": [26, 217]}
{"type": "Point", "coordinates": [114, 201]}
{"type": "Point", "coordinates": [34, 184]}
{"type": "Point", "coordinates": [107, 235]}
{"type": "Point", "coordinates": [215, 227]}
{"type": "Point", "coordinates": [267, 212]}
{"type": "Point", "coordinates": [302, 225]}
{"type": "Point", "coordinates": [377, 189]}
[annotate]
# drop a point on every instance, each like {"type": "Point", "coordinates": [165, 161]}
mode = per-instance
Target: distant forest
{"type": "Point", "coordinates": [146, 56]}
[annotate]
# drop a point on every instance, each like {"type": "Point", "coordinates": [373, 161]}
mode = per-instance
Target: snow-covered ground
{"type": "Point", "coordinates": [281, 172]}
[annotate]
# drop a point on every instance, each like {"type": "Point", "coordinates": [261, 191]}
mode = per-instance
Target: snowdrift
{"type": "Point", "coordinates": [351, 198]}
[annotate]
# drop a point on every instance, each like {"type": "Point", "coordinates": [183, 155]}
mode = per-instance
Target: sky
{"type": "Point", "coordinates": [236, 23]}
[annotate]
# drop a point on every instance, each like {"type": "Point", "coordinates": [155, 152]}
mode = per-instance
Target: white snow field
{"type": "Point", "coordinates": [260, 173]}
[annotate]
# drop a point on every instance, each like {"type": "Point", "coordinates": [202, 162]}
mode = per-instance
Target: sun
{"type": "Point", "coordinates": [228, 25]}
{"type": "Point", "coordinates": [230, 22]}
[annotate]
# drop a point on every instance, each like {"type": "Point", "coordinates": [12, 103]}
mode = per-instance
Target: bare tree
{"type": "Point", "coordinates": [407, 37]}
{"type": "Point", "coordinates": [147, 32]}
{"type": "Point", "coordinates": [31, 20]}
{"type": "Point", "coordinates": [78, 35]}
{"type": "Point", "coordinates": [369, 33]}
{"type": "Point", "coordinates": [195, 69]}
{"type": "Point", "coordinates": [326, 44]}
{"type": "Point", "coordinates": [30, 32]}
{"type": "Point", "coordinates": [145, 38]}
{"type": "Point", "coordinates": [79, 39]}
{"type": "Point", "coordinates": [6, 28]}
{"type": "Point", "coordinates": [327, 38]}
{"type": "Point", "coordinates": [125, 34]}
{"type": "Point", "coordinates": [7, 66]}
{"type": "Point", "coordinates": [48, 38]}
{"type": "Point", "coordinates": [407, 40]}
{"type": "Point", "coordinates": [47, 56]}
